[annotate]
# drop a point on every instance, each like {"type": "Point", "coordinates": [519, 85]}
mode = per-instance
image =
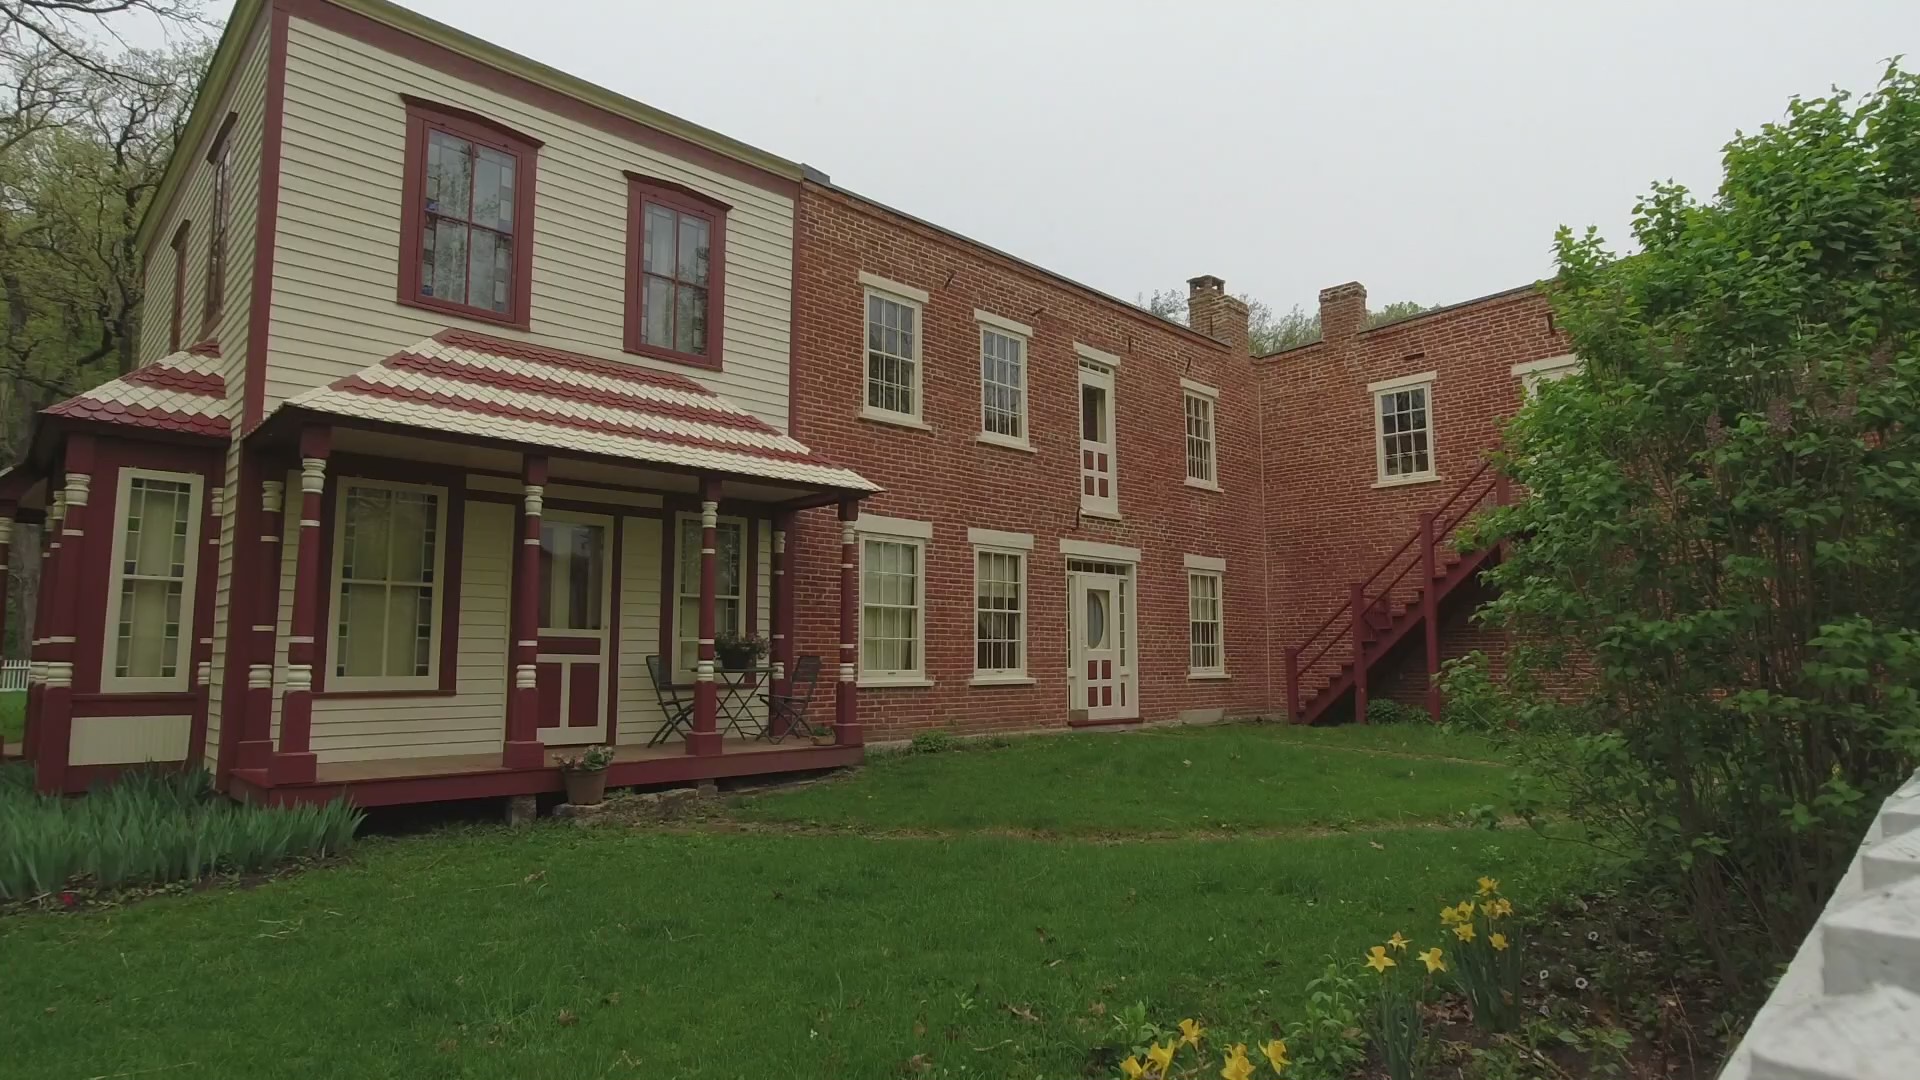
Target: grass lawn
{"type": "Point", "coordinates": [13, 715]}
{"type": "Point", "coordinates": [564, 952]}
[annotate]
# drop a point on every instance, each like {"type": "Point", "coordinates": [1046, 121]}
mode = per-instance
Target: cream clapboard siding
{"type": "Point", "coordinates": [764, 574]}
{"type": "Point", "coordinates": [128, 740]}
{"type": "Point", "coordinates": [222, 596]}
{"type": "Point", "coordinates": [638, 707]}
{"type": "Point", "coordinates": [337, 252]}
{"type": "Point", "coordinates": [470, 721]}
{"type": "Point", "coordinates": [194, 203]}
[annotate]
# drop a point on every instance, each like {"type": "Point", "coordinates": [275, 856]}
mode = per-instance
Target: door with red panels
{"type": "Point", "coordinates": [576, 611]}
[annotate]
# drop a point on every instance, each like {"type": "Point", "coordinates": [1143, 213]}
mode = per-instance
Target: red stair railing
{"type": "Point", "coordinates": [1351, 620]}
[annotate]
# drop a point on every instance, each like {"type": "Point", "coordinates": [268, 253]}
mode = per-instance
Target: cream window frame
{"type": "Point", "coordinates": [182, 679]}
{"type": "Point", "coordinates": [691, 635]}
{"type": "Point", "coordinates": [914, 300]}
{"type": "Point", "coordinates": [1016, 675]}
{"type": "Point", "coordinates": [1215, 572]}
{"type": "Point", "coordinates": [908, 533]}
{"type": "Point", "coordinates": [1550, 369]}
{"type": "Point", "coordinates": [1022, 337]}
{"type": "Point", "coordinates": [1209, 398]}
{"type": "Point", "coordinates": [1375, 391]}
{"type": "Point", "coordinates": [325, 648]}
{"type": "Point", "coordinates": [1101, 377]}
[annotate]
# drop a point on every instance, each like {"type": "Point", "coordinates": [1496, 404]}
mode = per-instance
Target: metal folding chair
{"type": "Point", "coordinates": [792, 706]}
{"type": "Point", "coordinates": [677, 710]}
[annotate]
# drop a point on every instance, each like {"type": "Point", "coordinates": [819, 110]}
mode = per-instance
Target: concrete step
{"type": "Point", "coordinates": [1872, 1035]}
{"type": "Point", "coordinates": [1901, 813]}
{"type": "Point", "coordinates": [1874, 941]}
{"type": "Point", "coordinates": [1890, 862]}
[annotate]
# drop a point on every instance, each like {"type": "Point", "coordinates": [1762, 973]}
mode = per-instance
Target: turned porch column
{"type": "Point", "coordinates": [255, 748]}
{"type": "Point", "coordinates": [705, 738]}
{"type": "Point", "coordinates": [293, 760]}
{"type": "Point", "coordinates": [781, 617]}
{"type": "Point", "coordinates": [56, 698]}
{"type": "Point", "coordinates": [6, 548]}
{"type": "Point", "coordinates": [846, 712]}
{"type": "Point", "coordinates": [523, 748]}
{"type": "Point", "coordinates": [42, 612]}
{"type": "Point", "coordinates": [213, 508]}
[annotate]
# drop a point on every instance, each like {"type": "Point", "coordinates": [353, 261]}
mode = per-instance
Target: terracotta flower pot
{"type": "Point", "coordinates": [585, 788]}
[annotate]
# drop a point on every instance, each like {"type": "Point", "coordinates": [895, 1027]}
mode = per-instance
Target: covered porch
{"type": "Point", "coordinates": [478, 555]}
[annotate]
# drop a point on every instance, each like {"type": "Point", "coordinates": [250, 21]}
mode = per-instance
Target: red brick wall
{"type": "Point", "coordinates": [944, 476]}
{"type": "Point", "coordinates": [1327, 524]}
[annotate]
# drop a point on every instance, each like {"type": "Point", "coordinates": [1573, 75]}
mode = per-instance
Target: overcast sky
{"type": "Point", "coordinates": [1426, 149]}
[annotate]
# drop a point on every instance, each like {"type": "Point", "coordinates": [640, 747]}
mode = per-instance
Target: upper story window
{"type": "Point", "coordinates": [1403, 429]}
{"type": "Point", "coordinates": [466, 243]}
{"type": "Point", "coordinates": [176, 327]}
{"type": "Point", "coordinates": [893, 352]}
{"type": "Point", "coordinates": [1003, 380]}
{"type": "Point", "coordinates": [1552, 369]}
{"type": "Point", "coordinates": [220, 159]}
{"type": "Point", "coordinates": [1099, 489]}
{"type": "Point", "coordinates": [1201, 402]}
{"type": "Point", "coordinates": [676, 269]}
{"type": "Point", "coordinates": [150, 600]}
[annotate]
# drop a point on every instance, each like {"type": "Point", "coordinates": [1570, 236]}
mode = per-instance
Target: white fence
{"type": "Point", "coordinates": [13, 675]}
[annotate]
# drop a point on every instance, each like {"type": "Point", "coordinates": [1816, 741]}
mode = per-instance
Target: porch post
{"type": "Point", "coordinates": [781, 616]}
{"type": "Point", "coordinates": [42, 612]}
{"type": "Point", "coordinates": [255, 748]}
{"type": "Point", "coordinates": [293, 760]}
{"type": "Point", "coordinates": [523, 748]}
{"type": "Point", "coordinates": [705, 738]}
{"type": "Point", "coordinates": [846, 719]}
{"type": "Point", "coordinates": [56, 700]}
{"type": "Point", "coordinates": [6, 547]}
{"type": "Point", "coordinates": [1430, 610]}
{"type": "Point", "coordinates": [1358, 601]}
{"type": "Point", "coordinates": [208, 559]}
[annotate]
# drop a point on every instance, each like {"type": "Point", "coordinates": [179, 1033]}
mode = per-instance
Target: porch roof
{"type": "Point", "coordinates": [182, 392]}
{"type": "Point", "coordinates": [486, 387]}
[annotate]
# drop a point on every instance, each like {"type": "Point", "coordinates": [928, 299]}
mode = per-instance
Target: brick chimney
{"type": "Point", "coordinates": [1343, 312]}
{"type": "Point", "coordinates": [1212, 312]}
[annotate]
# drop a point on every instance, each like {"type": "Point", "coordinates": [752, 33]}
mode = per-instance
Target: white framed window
{"type": "Point", "coordinates": [1403, 429]}
{"type": "Point", "coordinates": [729, 585]}
{"type": "Point", "coordinates": [893, 596]}
{"type": "Point", "coordinates": [1003, 380]}
{"type": "Point", "coordinates": [893, 347]}
{"type": "Point", "coordinates": [1201, 404]}
{"type": "Point", "coordinates": [387, 565]}
{"type": "Point", "coordinates": [1551, 369]}
{"type": "Point", "coordinates": [156, 543]}
{"type": "Point", "coordinates": [999, 614]}
{"type": "Point", "coordinates": [1206, 642]}
{"type": "Point", "coordinates": [1099, 484]}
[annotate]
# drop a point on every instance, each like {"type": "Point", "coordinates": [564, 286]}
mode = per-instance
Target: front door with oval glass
{"type": "Point", "coordinates": [1101, 681]}
{"type": "Point", "coordinates": [575, 602]}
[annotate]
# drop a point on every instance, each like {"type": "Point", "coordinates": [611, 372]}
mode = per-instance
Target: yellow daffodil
{"type": "Point", "coordinates": [1465, 909]}
{"type": "Point", "coordinates": [1501, 908]}
{"type": "Point", "coordinates": [1276, 1051]}
{"type": "Point", "coordinates": [1489, 886]}
{"type": "Point", "coordinates": [1378, 960]}
{"type": "Point", "coordinates": [1433, 960]}
{"type": "Point", "coordinates": [1237, 1065]}
{"type": "Point", "coordinates": [1399, 943]}
{"type": "Point", "coordinates": [1449, 916]}
{"type": "Point", "coordinates": [1464, 931]}
{"type": "Point", "coordinates": [1190, 1032]}
{"type": "Point", "coordinates": [1498, 941]}
{"type": "Point", "coordinates": [1133, 1068]}
{"type": "Point", "coordinates": [1161, 1056]}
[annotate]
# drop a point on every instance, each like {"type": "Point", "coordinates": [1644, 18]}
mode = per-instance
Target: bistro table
{"type": "Point", "coordinates": [738, 691]}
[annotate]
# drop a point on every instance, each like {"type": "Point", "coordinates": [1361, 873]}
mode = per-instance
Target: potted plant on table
{"type": "Point", "coordinates": [737, 652]}
{"type": "Point", "coordinates": [585, 773]}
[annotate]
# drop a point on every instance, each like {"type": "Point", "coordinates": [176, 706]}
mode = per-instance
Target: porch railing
{"type": "Point", "coordinates": [13, 675]}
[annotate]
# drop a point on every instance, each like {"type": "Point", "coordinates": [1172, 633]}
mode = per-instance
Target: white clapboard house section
{"type": "Point", "coordinates": [1848, 1007]}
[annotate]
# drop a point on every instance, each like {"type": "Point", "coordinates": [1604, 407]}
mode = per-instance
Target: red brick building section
{"type": "Point", "coordinates": [942, 473]}
{"type": "Point", "coordinates": [1332, 515]}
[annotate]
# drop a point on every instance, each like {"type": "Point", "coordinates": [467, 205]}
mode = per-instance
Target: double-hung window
{"type": "Point", "coordinates": [676, 244]}
{"type": "Point", "coordinates": [1403, 429]}
{"type": "Point", "coordinates": [150, 598]}
{"type": "Point", "coordinates": [893, 591]}
{"type": "Point", "coordinates": [729, 586]}
{"type": "Point", "coordinates": [467, 240]}
{"type": "Point", "coordinates": [1003, 380]}
{"type": "Point", "coordinates": [1099, 489]}
{"type": "Point", "coordinates": [221, 161]}
{"type": "Point", "coordinates": [1206, 647]}
{"type": "Point", "coordinates": [1201, 403]}
{"type": "Point", "coordinates": [1000, 605]}
{"type": "Point", "coordinates": [387, 562]}
{"type": "Point", "coordinates": [893, 343]}
{"type": "Point", "coordinates": [176, 328]}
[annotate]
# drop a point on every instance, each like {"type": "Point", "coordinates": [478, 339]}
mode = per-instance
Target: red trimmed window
{"type": "Point", "coordinates": [466, 243]}
{"type": "Point", "coordinates": [676, 272]}
{"type": "Point", "coordinates": [220, 157]}
{"type": "Point", "coordinates": [175, 327]}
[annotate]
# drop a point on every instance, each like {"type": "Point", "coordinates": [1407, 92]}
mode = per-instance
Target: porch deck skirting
{"type": "Point", "coordinates": [392, 781]}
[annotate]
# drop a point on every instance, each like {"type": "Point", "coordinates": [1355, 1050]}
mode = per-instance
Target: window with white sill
{"type": "Point", "coordinates": [152, 592]}
{"type": "Point", "coordinates": [1202, 468]}
{"type": "Point", "coordinates": [1403, 419]}
{"type": "Point", "coordinates": [1206, 654]}
{"type": "Point", "coordinates": [1000, 632]}
{"type": "Point", "coordinates": [893, 357]}
{"type": "Point", "coordinates": [892, 603]}
{"type": "Point", "coordinates": [1099, 488]}
{"type": "Point", "coordinates": [1003, 385]}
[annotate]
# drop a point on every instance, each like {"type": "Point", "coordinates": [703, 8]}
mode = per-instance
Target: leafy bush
{"type": "Point", "coordinates": [1327, 1045]}
{"type": "Point", "coordinates": [151, 827]}
{"type": "Point", "coordinates": [933, 742]}
{"type": "Point", "coordinates": [1389, 711]}
{"type": "Point", "coordinates": [1718, 528]}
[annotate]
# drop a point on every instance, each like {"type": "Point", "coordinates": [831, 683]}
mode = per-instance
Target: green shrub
{"type": "Point", "coordinates": [1389, 711]}
{"type": "Point", "coordinates": [933, 742]}
{"type": "Point", "coordinates": [151, 827]}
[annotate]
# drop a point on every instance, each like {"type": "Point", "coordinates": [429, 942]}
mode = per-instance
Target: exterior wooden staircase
{"type": "Point", "coordinates": [1403, 595]}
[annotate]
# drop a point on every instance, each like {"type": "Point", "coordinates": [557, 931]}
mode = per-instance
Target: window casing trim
{"type": "Point", "coordinates": [914, 419]}
{"type": "Point", "coordinates": [987, 323]}
{"type": "Point", "coordinates": [1375, 391]}
{"type": "Point", "coordinates": [177, 327]}
{"type": "Point", "coordinates": [423, 114]}
{"type": "Point", "coordinates": [219, 240]}
{"type": "Point", "coordinates": [1207, 396]}
{"type": "Point", "coordinates": [672, 595]}
{"type": "Point", "coordinates": [439, 677]}
{"type": "Point", "coordinates": [918, 536]}
{"type": "Point", "coordinates": [1218, 578]}
{"type": "Point", "coordinates": [181, 680]}
{"type": "Point", "coordinates": [1008, 676]}
{"type": "Point", "coordinates": [641, 190]}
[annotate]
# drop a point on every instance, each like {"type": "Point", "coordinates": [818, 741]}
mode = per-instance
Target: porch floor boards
{"type": "Point", "coordinates": [352, 772]}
